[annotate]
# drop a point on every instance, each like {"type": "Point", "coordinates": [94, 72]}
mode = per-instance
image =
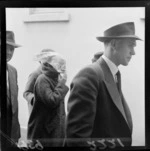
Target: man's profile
{"type": "Point", "coordinates": [97, 109]}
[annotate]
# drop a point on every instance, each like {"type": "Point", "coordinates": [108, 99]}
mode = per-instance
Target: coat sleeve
{"type": "Point", "coordinates": [82, 107]}
{"type": "Point", "coordinates": [28, 93]}
{"type": "Point", "coordinates": [46, 94]}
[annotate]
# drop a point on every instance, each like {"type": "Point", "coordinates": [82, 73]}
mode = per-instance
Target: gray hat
{"type": "Point", "coordinates": [124, 30]}
{"type": "Point", "coordinates": [10, 39]}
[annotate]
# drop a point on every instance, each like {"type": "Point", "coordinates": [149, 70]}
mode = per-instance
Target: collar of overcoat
{"type": "Point", "coordinates": [114, 93]}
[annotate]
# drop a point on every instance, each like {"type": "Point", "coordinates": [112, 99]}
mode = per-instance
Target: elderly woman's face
{"type": "Point", "coordinates": [58, 63]}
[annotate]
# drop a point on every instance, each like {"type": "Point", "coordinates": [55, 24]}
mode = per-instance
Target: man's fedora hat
{"type": "Point", "coordinates": [124, 30]}
{"type": "Point", "coordinates": [10, 39]}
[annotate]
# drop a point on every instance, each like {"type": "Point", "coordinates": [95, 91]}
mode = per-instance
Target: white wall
{"type": "Point", "coordinates": [76, 41]}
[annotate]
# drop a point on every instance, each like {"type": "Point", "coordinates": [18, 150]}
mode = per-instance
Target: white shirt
{"type": "Point", "coordinates": [7, 79]}
{"type": "Point", "coordinates": [113, 68]}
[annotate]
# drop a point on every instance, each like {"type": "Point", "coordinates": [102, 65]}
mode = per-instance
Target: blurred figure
{"type": "Point", "coordinates": [97, 56]}
{"type": "Point", "coordinates": [28, 93]}
{"type": "Point", "coordinates": [13, 127]}
{"type": "Point", "coordinates": [47, 120]}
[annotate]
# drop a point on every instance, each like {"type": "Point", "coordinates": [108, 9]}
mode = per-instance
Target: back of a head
{"type": "Point", "coordinates": [97, 56]}
{"type": "Point", "coordinates": [47, 50]}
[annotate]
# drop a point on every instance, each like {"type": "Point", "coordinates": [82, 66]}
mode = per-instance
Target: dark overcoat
{"type": "Point", "coordinates": [13, 126]}
{"type": "Point", "coordinates": [97, 113]}
{"type": "Point", "coordinates": [47, 119]}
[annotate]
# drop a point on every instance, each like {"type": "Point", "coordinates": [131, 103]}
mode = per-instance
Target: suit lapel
{"type": "Point", "coordinates": [112, 88]}
{"type": "Point", "coordinates": [128, 113]}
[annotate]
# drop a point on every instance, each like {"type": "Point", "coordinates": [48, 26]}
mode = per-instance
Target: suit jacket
{"type": "Point", "coordinates": [28, 93]}
{"type": "Point", "coordinates": [13, 126]}
{"type": "Point", "coordinates": [47, 119]}
{"type": "Point", "coordinates": [96, 111]}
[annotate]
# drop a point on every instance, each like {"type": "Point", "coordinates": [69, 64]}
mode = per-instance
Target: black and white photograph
{"type": "Point", "coordinates": [75, 77]}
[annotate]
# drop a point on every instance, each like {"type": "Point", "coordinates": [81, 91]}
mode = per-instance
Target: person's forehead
{"type": "Point", "coordinates": [129, 41]}
{"type": "Point", "coordinates": [9, 46]}
{"type": "Point", "coordinates": [132, 41]}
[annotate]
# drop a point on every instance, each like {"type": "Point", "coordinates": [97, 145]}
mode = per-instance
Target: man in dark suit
{"type": "Point", "coordinates": [13, 127]}
{"type": "Point", "coordinates": [98, 114]}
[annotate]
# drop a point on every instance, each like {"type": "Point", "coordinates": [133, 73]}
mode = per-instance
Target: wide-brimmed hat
{"type": "Point", "coordinates": [10, 39]}
{"type": "Point", "coordinates": [124, 30]}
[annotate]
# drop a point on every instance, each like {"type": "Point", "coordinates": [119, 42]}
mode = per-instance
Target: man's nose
{"type": "Point", "coordinates": [132, 52]}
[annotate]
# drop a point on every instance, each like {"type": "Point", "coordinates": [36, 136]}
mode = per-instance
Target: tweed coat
{"type": "Point", "coordinates": [13, 126]}
{"type": "Point", "coordinates": [28, 93]}
{"type": "Point", "coordinates": [95, 111]}
{"type": "Point", "coordinates": [47, 119]}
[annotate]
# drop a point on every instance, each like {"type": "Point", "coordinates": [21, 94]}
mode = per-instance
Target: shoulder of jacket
{"type": "Point", "coordinates": [35, 74]}
{"type": "Point", "coordinates": [11, 67]}
{"type": "Point", "coordinates": [43, 78]}
{"type": "Point", "coordinates": [93, 70]}
{"type": "Point", "coordinates": [98, 70]}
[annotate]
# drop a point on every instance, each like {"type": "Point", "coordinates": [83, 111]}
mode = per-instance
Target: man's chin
{"type": "Point", "coordinates": [125, 64]}
{"type": "Point", "coordinates": [8, 59]}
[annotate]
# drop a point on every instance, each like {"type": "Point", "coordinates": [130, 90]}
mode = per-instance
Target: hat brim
{"type": "Point", "coordinates": [103, 39]}
{"type": "Point", "coordinates": [13, 44]}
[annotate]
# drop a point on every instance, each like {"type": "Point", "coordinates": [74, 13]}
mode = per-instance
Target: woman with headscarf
{"type": "Point", "coordinates": [28, 93]}
{"type": "Point", "coordinates": [47, 120]}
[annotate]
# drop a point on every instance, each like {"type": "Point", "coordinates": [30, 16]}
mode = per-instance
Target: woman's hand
{"type": "Point", "coordinates": [62, 77]}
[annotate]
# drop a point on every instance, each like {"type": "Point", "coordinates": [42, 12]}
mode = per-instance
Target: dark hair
{"type": "Point", "coordinates": [97, 56]}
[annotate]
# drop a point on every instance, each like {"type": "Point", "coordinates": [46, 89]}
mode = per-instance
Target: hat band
{"type": "Point", "coordinates": [117, 34]}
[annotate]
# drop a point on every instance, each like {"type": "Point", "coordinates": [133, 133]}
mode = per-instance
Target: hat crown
{"type": "Point", "coordinates": [120, 31]}
{"type": "Point", "coordinates": [124, 29]}
{"type": "Point", "coordinates": [10, 37]}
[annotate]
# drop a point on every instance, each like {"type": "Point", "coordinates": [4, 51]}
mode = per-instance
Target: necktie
{"type": "Point", "coordinates": [118, 75]}
{"type": "Point", "coordinates": [126, 110]}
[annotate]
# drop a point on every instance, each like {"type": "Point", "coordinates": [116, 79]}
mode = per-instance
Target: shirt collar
{"type": "Point", "coordinates": [113, 68]}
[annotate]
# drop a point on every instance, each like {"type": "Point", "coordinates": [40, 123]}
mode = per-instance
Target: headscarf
{"type": "Point", "coordinates": [43, 54]}
{"type": "Point", "coordinates": [56, 61]}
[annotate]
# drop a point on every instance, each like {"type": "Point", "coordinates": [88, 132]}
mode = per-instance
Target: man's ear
{"type": "Point", "coordinates": [113, 44]}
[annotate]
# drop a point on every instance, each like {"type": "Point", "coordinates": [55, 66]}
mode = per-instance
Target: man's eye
{"type": "Point", "coordinates": [132, 45]}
